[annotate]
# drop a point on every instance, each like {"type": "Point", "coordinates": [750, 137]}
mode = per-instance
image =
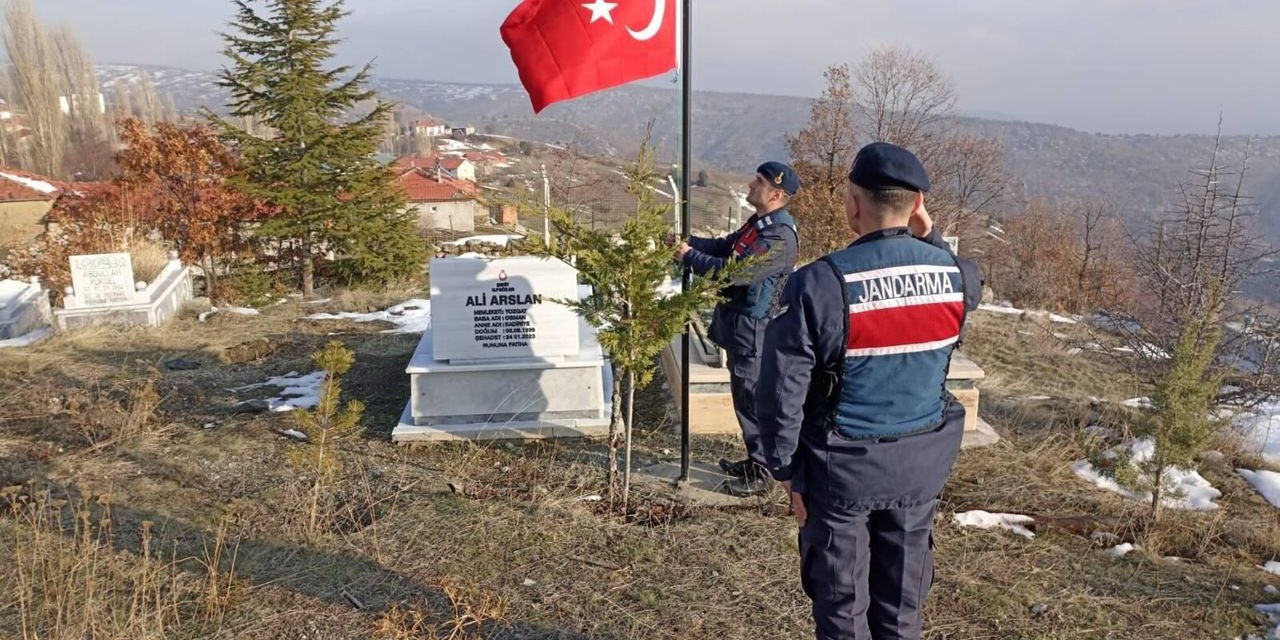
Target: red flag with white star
{"type": "Point", "coordinates": [569, 48]}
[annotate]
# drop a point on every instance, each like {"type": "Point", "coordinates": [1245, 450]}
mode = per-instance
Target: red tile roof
{"type": "Point", "coordinates": [16, 191]}
{"type": "Point", "coordinates": [419, 186]}
{"type": "Point", "coordinates": [448, 163]}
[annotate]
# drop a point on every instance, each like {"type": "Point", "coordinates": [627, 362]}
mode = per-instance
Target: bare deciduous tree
{"type": "Point", "coordinates": [898, 96]}
{"type": "Point", "coordinates": [37, 88]}
{"type": "Point", "coordinates": [821, 154]}
{"type": "Point", "coordinates": [905, 95]}
{"type": "Point", "coordinates": [90, 138]}
{"type": "Point", "coordinates": [146, 101]}
{"type": "Point", "coordinates": [907, 100]}
{"type": "Point", "coordinates": [124, 101]}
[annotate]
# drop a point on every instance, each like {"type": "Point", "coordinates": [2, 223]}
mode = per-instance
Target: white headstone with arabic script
{"type": "Point", "coordinates": [103, 279]}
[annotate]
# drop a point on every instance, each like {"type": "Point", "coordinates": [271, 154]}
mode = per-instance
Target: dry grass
{"type": "Point", "coordinates": [149, 258]}
{"type": "Point", "coordinates": [494, 541]}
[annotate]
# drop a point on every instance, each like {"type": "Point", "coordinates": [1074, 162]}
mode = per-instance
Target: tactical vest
{"type": "Point", "coordinates": [905, 301]}
{"type": "Point", "coordinates": [756, 299]}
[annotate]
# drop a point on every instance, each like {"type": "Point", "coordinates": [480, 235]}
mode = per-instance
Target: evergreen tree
{"type": "Point", "coordinates": [317, 165]}
{"type": "Point", "coordinates": [636, 319]}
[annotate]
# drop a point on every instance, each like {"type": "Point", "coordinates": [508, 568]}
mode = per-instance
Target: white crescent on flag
{"type": "Point", "coordinates": [659, 13]}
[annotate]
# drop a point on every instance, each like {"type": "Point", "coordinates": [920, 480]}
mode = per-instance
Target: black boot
{"type": "Point", "coordinates": [735, 469]}
{"type": "Point", "coordinates": [755, 482]}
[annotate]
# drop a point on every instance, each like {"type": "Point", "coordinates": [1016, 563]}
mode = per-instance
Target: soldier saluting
{"type": "Point", "coordinates": [855, 419]}
{"type": "Point", "coordinates": [769, 237]}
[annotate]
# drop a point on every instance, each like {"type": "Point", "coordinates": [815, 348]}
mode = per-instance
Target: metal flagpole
{"type": "Point", "coordinates": [686, 211]}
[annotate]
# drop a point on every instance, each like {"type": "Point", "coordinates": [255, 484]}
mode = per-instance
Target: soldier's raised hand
{"type": "Point", "coordinates": [921, 223]}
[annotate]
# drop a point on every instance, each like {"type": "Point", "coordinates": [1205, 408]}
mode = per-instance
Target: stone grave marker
{"type": "Point", "coordinates": [103, 279]}
{"type": "Point", "coordinates": [503, 310]}
{"type": "Point", "coordinates": [502, 359]}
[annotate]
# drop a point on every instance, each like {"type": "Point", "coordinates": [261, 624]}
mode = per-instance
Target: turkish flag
{"type": "Point", "coordinates": [569, 48]}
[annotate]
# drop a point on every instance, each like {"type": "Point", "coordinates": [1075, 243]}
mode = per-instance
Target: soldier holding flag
{"type": "Point", "coordinates": [770, 239]}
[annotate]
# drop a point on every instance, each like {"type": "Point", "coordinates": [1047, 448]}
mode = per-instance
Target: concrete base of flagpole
{"type": "Point", "coordinates": [704, 488]}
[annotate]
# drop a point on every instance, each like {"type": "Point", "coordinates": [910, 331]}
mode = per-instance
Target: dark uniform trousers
{"type": "Point", "coordinates": [744, 372]}
{"type": "Point", "coordinates": [866, 549]}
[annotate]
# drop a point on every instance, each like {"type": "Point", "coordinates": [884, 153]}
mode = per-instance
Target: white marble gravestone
{"type": "Point", "coordinates": [503, 309]}
{"type": "Point", "coordinates": [103, 290]}
{"type": "Point", "coordinates": [24, 309]}
{"type": "Point", "coordinates": [103, 280]}
{"type": "Point", "coordinates": [502, 359]}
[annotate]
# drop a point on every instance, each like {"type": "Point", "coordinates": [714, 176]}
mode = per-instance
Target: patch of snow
{"type": "Point", "coordinates": [320, 301]}
{"type": "Point", "coordinates": [296, 391]}
{"type": "Point", "coordinates": [1120, 551]}
{"type": "Point", "coordinates": [1053, 317]}
{"type": "Point", "coordinates": [1272, 567]}
{"type": "Point", "coordinates": [1184, 489]}
{"type": "Point", "coordinates": [27, 339]}
{"type": "Point", "coordinates": [1009, 311]}
{"type": "Point", "coordinates": [411, 316]}
{"type": "Point", "coordinates": [1146, 350]}
{"type": "Point", "coordinates": [474, 256]}
{"type": "Point", "coordinates": [1261, 430]}
{"type": "Point", "coordinates": [296, 435]}
{"type": "Point", "coordinates": [449, 144]}
{"type": "Point", "coordinates": [1272, 611]}
{"type": "Point", "coordinates": [1268, 484]}
{"type": "Point", "coordinates": [1139, 403]}
{"type": "Point", "coordinates": [500, 240]}
{"type": "Point", "coordinates": [30, 183]}
{"type": "Point", "coordinates": [1010, 522]}
{"type": "Point", "coordinates": [1114, 324]}
{"type": "Point", "coordinates": [240, 311]}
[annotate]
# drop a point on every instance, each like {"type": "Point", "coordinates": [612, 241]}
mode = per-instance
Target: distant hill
{"type": "Point", "coordinates": [734, 132]}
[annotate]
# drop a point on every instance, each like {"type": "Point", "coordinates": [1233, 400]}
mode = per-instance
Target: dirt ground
{"type": "Point", "coordinates": [138, 503]}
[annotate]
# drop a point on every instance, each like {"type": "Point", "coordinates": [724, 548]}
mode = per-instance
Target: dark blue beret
{"type": "Point", "coordinates": [780, 176]}
{"type": "Point", "coordinates": [881, 165]}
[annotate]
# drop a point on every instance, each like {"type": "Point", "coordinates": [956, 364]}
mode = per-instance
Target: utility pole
{"type": "Point", "coordinates": [546, 207]}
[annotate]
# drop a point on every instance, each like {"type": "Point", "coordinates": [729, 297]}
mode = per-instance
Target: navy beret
{"type": "Point", "coordinates": [881, 165]}
{"type": "Point", "coordinates": [781, 176]}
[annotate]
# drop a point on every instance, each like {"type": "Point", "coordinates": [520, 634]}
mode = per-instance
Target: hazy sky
{"type": "Point", "coordinates": [1134, 66]}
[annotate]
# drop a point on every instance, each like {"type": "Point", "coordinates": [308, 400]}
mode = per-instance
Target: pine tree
{"type": "Point", "coordinates": [635, 318]}
{"type": "Point", "coordinates": [318, 168]}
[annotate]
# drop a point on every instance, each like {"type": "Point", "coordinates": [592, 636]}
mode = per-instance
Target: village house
{"type": "Point", "coordinates": [455, 166]}
{"type": "Point", "coordinates": [25, 200]}
{"type": "Point", "coordinates": [426, 127]}
{"type": "Point", "coordinates": [441, 202]}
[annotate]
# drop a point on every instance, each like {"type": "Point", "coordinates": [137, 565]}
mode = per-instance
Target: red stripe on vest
{"type": "Point", "coordinates": [905, 325]}
{"type": "Point", "coordinates": [748, 238]}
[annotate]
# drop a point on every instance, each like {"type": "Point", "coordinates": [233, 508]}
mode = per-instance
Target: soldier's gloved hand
{"type": "Point", "coordinates": [921, 223]}
{"type": "Point", "coordinates": [797, 503]}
